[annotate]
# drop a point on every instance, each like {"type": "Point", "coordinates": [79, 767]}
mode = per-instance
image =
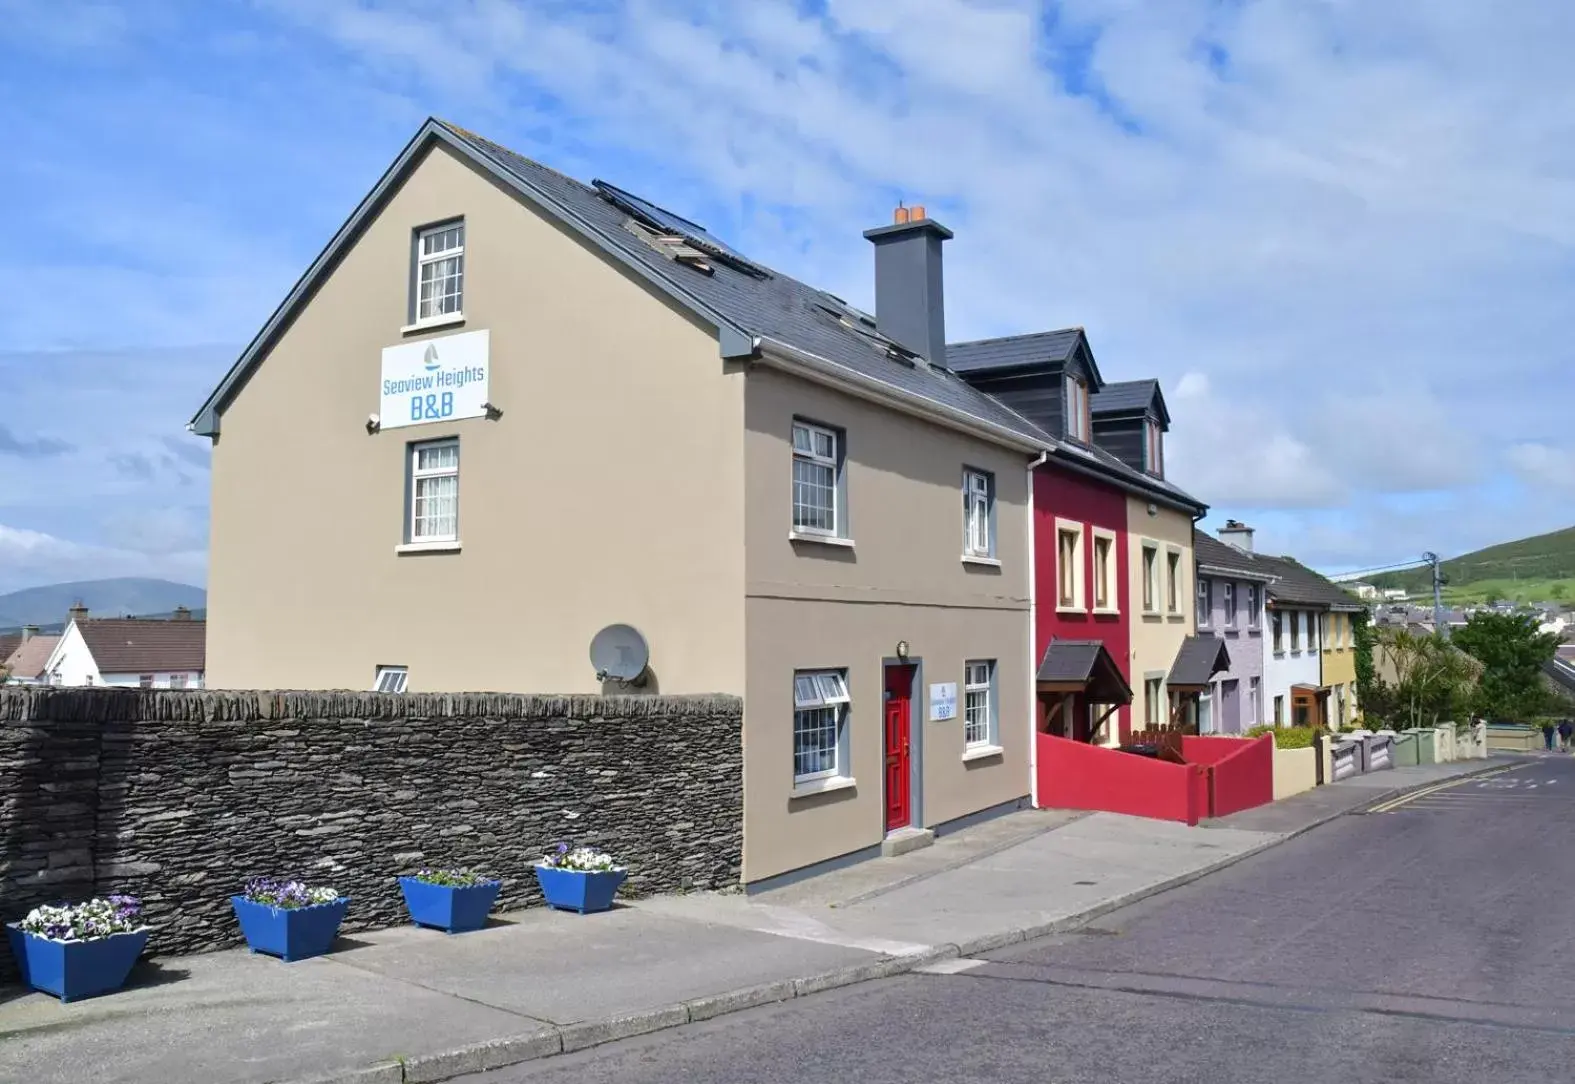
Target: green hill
{"type": "Point", "coordinates": [47, 605]}
{"type": "Point", "coordinates": [1534, 563]}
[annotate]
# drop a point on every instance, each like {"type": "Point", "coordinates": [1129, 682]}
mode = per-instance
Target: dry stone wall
{"type": "Point", "coordinates": [180, 797]}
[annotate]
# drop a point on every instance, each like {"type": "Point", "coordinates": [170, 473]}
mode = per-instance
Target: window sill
{"type": "Point", "coordinates": [1176, 617]}
{"type": "Point", "coordinates": [428, 547]}
{"type": "Point", "coordinates": [820, 539]}
{"type": "Point", "coordinates": [450, 320]}
{"type": "Point", "coordinates": [982, 752]}
{"type": "Point", "coordinates": [1107, 611]}
{"type": "Point", "coordinates": [986, 562]}
{"type": "Point", "coordinates": [1070, 609]}
{"type": "Point", "coordinates": [822, 786]}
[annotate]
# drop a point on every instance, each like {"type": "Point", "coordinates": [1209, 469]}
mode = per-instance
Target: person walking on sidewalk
{"type": "Point", "coordinates": [1549, 732]}
{"type": "Point", "coordinates": [1566, 731]}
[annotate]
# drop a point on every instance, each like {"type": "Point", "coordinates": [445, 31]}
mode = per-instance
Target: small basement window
{"type": "Point", "coordinates": [390, 679]}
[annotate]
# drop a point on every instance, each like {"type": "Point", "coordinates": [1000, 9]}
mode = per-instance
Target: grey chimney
{"type": "Point", "coordinates": [28, 632]}
{"type": "Point", "coordinates": [181, 614]}
{"type": "Point", "coordinates": [78, 612]}
{"type": "Point", "coordinates": [1238, 534]}
{"type": "Point", "coordinates": [910, 299]}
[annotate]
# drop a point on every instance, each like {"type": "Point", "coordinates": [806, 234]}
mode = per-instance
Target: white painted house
{"type": "Point", "coordinates": [133, 652]}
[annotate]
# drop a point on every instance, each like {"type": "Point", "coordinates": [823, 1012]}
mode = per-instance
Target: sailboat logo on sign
{"type": "Point", "coordinates": [430, 361]}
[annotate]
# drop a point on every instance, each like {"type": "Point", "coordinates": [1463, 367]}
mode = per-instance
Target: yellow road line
{"type": "Point", "coordinates": [1395, 803]}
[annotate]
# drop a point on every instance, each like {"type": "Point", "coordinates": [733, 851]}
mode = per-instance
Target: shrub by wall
{"type": "Point", "coordinates": [179, 797]}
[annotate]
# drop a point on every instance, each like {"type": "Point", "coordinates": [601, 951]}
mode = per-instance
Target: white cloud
{"type": "Point", "coordinates": [32, 557]}
{"type": "Point", "coordinates": [1351, 224]}
{"type": "Point", "coordinates": [1544, 466]}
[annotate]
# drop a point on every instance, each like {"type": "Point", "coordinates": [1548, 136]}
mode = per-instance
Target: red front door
{"type": "Point", "coordinates": [899, 704]}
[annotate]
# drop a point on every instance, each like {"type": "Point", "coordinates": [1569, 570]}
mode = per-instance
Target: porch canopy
{"type": "Point", "coordinates": [1073, 677]}
{"type": "Point", "coordinates": [1086, 668]}
{"type": "Point", "coordinates": [1200, 658]}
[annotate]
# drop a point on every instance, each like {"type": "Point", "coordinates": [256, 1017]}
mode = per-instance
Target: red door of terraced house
{"type": "Point", "coordinates": [899, 708]}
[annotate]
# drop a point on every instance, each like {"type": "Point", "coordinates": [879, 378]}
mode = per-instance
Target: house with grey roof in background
{"type": "Point", "coordinates": [1232, 588]}
{"type": "Point", "coordinates": [128, 652]}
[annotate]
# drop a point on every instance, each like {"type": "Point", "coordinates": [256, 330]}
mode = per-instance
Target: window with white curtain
{"type": "Point", "coordinates": [820, 717]}
{"type": "Point", "coordinates": [978, 528]}
{"type": "Point", "coordinates": [440, 271]}
{"type": "Point", "coordinates": [816, 470]}
{"type": "Point", "coordinates": [434, 491]}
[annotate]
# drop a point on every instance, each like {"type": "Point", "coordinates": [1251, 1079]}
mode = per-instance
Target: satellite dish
{"type": "Point", "coordinates": [619, 652]}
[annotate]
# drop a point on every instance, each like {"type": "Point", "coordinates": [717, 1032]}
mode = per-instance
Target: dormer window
{"type": "Point", "coordinates": [1076, 409]}
{"type": "Point", "coordinates": [1153, 448]}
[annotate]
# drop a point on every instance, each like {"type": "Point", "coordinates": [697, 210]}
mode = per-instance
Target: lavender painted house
{"type": "Point", "coordinates": [1230, 605]}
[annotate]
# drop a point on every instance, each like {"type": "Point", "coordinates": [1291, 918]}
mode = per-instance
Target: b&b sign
{"type": "Point", "coordinates": [435, 380]}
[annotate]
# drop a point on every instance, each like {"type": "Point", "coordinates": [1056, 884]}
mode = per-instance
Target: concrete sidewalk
{"type": "Point", "coordinates": [409, 1004]}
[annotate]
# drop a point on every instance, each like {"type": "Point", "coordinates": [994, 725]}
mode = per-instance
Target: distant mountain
{"type": "Point", "coordinates": [104, 598]}
{"type": "Point", "coordinates": [1543, 557]}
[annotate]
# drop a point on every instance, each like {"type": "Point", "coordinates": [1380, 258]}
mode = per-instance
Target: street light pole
{"type": "Point", "coordinates": [1440, 626]}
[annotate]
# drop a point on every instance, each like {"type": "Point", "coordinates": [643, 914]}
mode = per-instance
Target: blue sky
{"type": "Point", "coordinates": [1342, 233]}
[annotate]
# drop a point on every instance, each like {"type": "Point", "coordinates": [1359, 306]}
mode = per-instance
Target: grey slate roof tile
{"type": "Point", "coordinates": [778, 307]}
{"type": "Point", "coordinates": [1085, 662]}
{"type": "Point", "coordinates": [1198, 660]}
{"type": "Point", "coordinates": [1210, 551]}
{"type": "Point", "coordinates": [1011, 351]}
{"type": "Point", "coordinates": [1123, 395]}
{"type": "Point", "coordinates": [1300, 584]}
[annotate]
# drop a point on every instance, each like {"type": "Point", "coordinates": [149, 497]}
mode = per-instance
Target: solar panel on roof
{"type": "Point", "coordinates": [661, 218]}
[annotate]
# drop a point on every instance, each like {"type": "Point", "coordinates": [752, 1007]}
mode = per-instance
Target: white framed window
{"type": "Point", "coordinates": [1104, 569]}
{"type": "Point", "coordinates": [979, 703]}
{"type": "Point", "coordinates": [1277, 623]}
{"type": "Point", "coordinates": [1173, 581]}
{"type": "Point", "coordinates": [1230, 604]}
{"type": "Point", "coordinates": [1279, 711]}
{"type": "Point", "coordinates": [1069, 565]}
{"type": "Point", "coordinates": [978, 513]}
{"type": "Point", "coordinates": [1205, 601]}
{"type": "Point", "coordinates": [434, 491]}
{"type": "Point", "coordinates": [1153, 701]}
{"type": "Point", "coordinates": [177, 681]}
{"type": "Point", "coordinates": [1254, 607]}
{"type": "Point", "coordinates": [1153, 448]}
{"type": "Point", "coordinates": [820, 723]}
{"type": "Point", "coordinates": [1150, 579]}
{"type": "Point", "coordinates": [1253, 719]}
{"type": "Point", "coordinates": [440, 271]}
{"type": "Point", "coordinates": [1076, 408]}
{"type": "Point", "coordinates": [817, 474]}
{"type": "Point", "coordinates": [1296, 630]}
{"type": "Point", "coordinates": [390, 679]}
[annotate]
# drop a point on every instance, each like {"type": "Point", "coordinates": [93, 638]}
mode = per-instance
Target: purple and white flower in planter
{"type": "Point", "coordinates": [289, 919]}
{"type": "Point", "coordinates": [579, 879]}
{"type": "Point", "coordinates": [78, 951]}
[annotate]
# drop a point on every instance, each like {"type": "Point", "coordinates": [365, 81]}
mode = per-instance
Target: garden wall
{"type": "Point", "coordinates": [179, 797]}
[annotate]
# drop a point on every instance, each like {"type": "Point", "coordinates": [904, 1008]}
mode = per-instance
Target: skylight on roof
{"type": "Point", "coordinates": [666, 222]}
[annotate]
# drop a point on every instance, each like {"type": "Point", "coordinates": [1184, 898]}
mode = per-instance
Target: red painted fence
{"type": "Point", "coordinates": [1075, 775]}
{"type": "Point", "coordinates": [1241, 773]}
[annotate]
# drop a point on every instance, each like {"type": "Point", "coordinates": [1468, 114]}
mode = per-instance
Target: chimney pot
{"type": "Point", "coordinates": [900, 215]}
{"type": "Point", "coordinates": [916, 213]}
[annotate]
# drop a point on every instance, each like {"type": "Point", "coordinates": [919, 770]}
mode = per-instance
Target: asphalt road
{"type": "Point", "coordinates": [1429, 944]}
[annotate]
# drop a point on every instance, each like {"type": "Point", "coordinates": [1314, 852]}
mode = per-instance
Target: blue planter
{"type": "Point", "coordinates": [290, 933]}
{"type": "Point", "coordinates": [76, 969]}
{"type": "Point", "coordinates": [573, 890]}
{"type": "Point", "coordinates": [448, 907]}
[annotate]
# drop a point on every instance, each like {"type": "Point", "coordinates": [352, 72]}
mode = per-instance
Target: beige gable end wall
{"type": "Point", "coordinates": [1156, 637]}
{"type": "Point", "coordinates": [817, 606]}
{"type": "Point", "coordinates": [610, 490]}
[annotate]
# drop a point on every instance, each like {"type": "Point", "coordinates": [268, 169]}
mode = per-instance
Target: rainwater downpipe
{"type": "Point", "coordinates": [1033, 635]}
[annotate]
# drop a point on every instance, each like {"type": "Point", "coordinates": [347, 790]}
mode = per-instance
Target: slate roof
{"type": "Point", "coordinates": [1126, 395]}
{"type": "Point", "coordinates": [128, 645]}
{"type": "Point", "coordinates": [27, 661]}
{"type": "Point", "coordinates": [1301, 585]}
{"type": "Point", "coordinates": [1200, 658]}
{"type": "Point", "coordinates": [1012, 351]}
{"type": "Point", "coordinates": [774, 307]}
{"type": "Point", "coordinates": [1210, 552]}
{"type": "Point", "coordinates": [1094, 456]}
{"type": "Point", "coordinates": [1085, 662]}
